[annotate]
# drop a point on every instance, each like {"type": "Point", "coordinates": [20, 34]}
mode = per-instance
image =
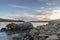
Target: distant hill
{"type": "Point", "coordinates": [56, 20]}
{"type": "Point", "coordinates": [8, 20]}
{"type": "Point", "coordinates": [39, 21]}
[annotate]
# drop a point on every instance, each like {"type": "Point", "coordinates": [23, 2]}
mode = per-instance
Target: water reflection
{"type": "Point", "coordinates": [39, 23]}
{"type": "Point", "coordinates": [3, 36]}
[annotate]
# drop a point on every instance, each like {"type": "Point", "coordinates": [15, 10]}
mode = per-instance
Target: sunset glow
{"type": "Point", "coordinates": [55, 15]}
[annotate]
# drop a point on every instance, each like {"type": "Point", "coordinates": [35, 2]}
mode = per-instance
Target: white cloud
{"type": "Point", "coordinates": [44, 10]}
{"type": "Point", "coordinates": [42, 7]}
{"type": "Point", "coordinates": [38, 10]}
{"type": "Point", "coordinates": [55, 14]}
{"type": "Point", "coordinates": [26, 17]}
{"type": "Point", "coordinates": [19, 6]}
{"type": "Point", "coordinates": [50, 2]}
{"type": "Point", "coordinates": [18, 16]}
{"type": "Point", "coordinates": [44, 15]}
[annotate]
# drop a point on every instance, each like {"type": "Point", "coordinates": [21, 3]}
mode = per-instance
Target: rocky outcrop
{"type": "Point", "coordinates": [19, 27]}
{"type": "Point", "coordinates": [3, 30]}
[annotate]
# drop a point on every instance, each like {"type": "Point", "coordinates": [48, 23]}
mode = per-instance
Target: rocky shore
{"type": "Point", "coordinates": [26, 31]}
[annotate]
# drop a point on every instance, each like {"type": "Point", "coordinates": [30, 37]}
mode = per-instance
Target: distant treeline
{"type": "Point", "coordinates": [8, 20]}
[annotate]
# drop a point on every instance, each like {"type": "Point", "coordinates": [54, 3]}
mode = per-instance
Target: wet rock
{"type": "Point", "coordinates": [3, 29]}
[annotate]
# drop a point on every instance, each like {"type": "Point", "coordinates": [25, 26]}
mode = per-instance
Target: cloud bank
{"type": "Point", "coordinates": [26, 16]}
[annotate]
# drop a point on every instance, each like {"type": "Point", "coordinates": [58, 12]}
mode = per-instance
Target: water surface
{"type": "Point", "coordinates": [3, 36]}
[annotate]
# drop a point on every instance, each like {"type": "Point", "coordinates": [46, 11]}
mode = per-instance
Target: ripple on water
{"type": "Point", "coordinates": [3, 36]}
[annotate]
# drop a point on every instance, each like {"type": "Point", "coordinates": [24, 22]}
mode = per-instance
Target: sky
{"type": "Point", "coordinates": [30, 9]}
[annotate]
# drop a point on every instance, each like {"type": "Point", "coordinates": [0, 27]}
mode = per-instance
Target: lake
{"type": "Point", "coordinates": [4, 36]}
{"type": "Point", "coordinates": [3, 24]}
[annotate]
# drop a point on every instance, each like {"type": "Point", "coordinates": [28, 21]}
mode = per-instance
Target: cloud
{"type": "Point", "coordinates": [44, 15]}
{"type": "Point", "coordinates": [50, 2]}
{"type": "Point", "coordinates": [38, 10]}
{"type": "Point", "coordinates": [43, 0]}
{"type": "Point", "coordinates": [19, 6]}
{"type": "Point", "coordinates": [18, 16]}
{"type": "Point", "coordinates": [41, 9]}
{"type": "Point", "coordinates": [45, 9]}
{"type": "Point", "coordinates": [26, 16]}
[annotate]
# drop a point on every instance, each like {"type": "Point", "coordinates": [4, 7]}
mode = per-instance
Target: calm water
{"type": "Point", "coordinates": [3, 36]}
{"type": "Point", "coordinates": [39, 23]}
{"type": "Point", "coordinates": [3, 24]}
